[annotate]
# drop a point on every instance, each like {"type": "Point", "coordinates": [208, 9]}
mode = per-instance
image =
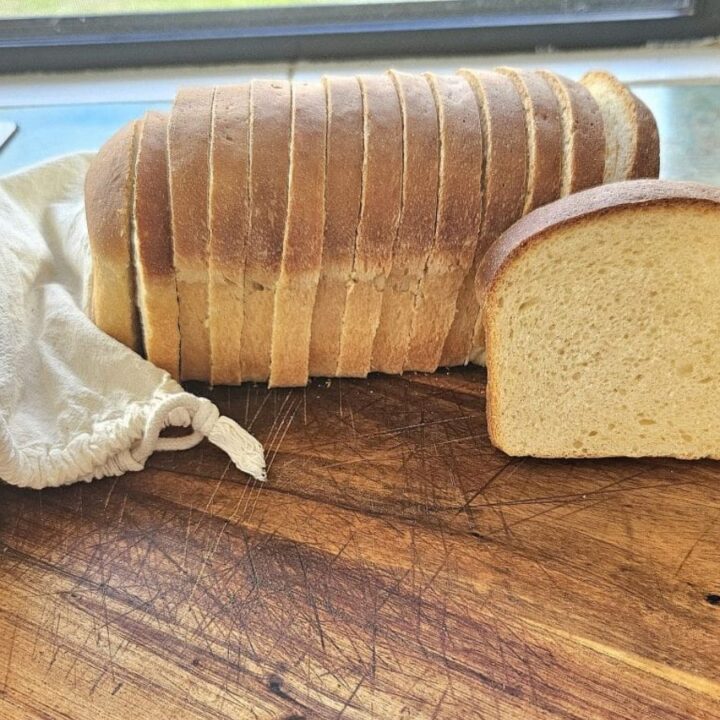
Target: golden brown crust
{"type": "Point", "coordinates": [270, 116]}
{"type": "Point", "coordinates": [504, 184]}
{"type": "Point", "coordinates": [108, 208]}
{"type": "Point", "coordinates": [584, 133]}
{"type": "Point", "coordinates": [377, 227]}
{"type": "Point", "coordinates": [491, 399]}
{"type": "Point", "coordinates": [416, 228]}
{"type": "Point", "coordinates": [577, 208]}
{"type": "Point", "coordinates": [302, 246]}
{"type": "Point", "coordinates": [188, 157]}
{"type": "Point", "coordinates": [229, 226]}
{"type": "Point", "coordinates": [343, 185]}
{"type": "Point", "coordinates": [155, 273]}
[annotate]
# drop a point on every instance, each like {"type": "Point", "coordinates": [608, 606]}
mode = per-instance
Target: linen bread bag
{"type": "Point", "coordinates": [276, 231]}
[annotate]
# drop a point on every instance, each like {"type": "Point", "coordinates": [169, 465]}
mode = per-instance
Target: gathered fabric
{"type": "Point", "coordinates": [75, 404]}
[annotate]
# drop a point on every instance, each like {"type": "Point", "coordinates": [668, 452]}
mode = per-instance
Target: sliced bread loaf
{"type": "Point", "coordinates": [109, 189]}
{"type": "Point", "coordinates": [631, 135]}
{"type": "Point", "coordinates": [188, 158]}
{"type": "Point", "coordinates": [302, 246]}
{"type": "Point", "coordinates": [602, 315]}
{"type": "Point", "coordinates": [417, 221]}
{"type": "Point", "coordinates": [503, 195]}
{"type": "Point", "coordinates": [457, 223]}
{"type": "Point", "coordinates": [270, 119]}
{"type": "Point", "coordinates": [583, 134]}
{"type": "Point", "coordinates": [229, 227]}
{"type": "Point", "coordinates": [152, 238]}
{"type": "Point", "coordinates": [343, 184]}
{"type": "Point", "coordinates": [377, 227]}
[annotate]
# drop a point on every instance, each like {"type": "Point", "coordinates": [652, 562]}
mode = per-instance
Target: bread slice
{"type": "Point", "coordinates": [458, 219]}
{"type": "Point", "coordinates": [302, 246]}
{"type": "Point", "coordinates": [583, 134]}
{"type": "Point", "coordinates": [544, 131]}
{"type": "Point", "coordinates": [416, 228]}
{"type": "Point", "coordinates": [270, 111]}
{"type": "Point", "coordinates": [343, 185]}
{"type": "Point", "coordinates": [603, 325]}
{"type": "Point", "coordinates": [377, 227]}
{"type": "Point", "coordinates": [503, 195]}
{"type": "Point", "coordinates": [152, 239]}
{"type": "Point", "coordinates": [631, 135]}
{"type": "Point", "coordinates": [229, 219]}
{"type": "Point", "coordinates": [108, 209]}
{"type": "Point", "coordinates": [188, 156]}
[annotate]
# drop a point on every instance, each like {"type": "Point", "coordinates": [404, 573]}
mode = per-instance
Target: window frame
{"type": "Point", "coordinates": [327, 32]}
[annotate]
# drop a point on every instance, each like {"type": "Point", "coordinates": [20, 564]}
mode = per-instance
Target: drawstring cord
{"type": "Point", "coordinates": [186, 410]}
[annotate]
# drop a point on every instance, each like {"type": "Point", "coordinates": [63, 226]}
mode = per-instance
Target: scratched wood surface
{"type": "Point", "coordinates": [394, 566]}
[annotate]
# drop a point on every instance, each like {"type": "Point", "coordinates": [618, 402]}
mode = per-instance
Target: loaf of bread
{"type": "Point", "coordinates": [602, 315]}
{"type": "Point", "coordinates": [291, 230]}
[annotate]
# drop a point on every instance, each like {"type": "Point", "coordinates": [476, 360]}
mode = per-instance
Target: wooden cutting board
{"type": "Point", "coordinates": [395, 565]}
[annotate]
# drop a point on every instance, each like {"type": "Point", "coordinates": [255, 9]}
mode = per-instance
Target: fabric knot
{"type": "Point", "coordinates": [205, 417]}
{"type": "Point", "coordinates": [244, 450]}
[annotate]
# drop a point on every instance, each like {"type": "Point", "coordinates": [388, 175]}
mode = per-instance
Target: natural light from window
{"type": "Point", "coordinates": [75, 8]}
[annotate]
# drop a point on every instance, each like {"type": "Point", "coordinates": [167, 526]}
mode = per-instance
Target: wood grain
{"type": "Point", "coordinates": [394, 566]}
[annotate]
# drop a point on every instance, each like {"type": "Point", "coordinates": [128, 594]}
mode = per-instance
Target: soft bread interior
{"type": "Point", "coordinates": [604, 338]}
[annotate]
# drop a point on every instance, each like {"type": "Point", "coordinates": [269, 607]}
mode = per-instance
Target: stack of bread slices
{"type": "Point", "coordinates": [276, 231]}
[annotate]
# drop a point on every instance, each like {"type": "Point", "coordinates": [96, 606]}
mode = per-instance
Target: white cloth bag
{"type": "Point", "coordinates": [74, 403]}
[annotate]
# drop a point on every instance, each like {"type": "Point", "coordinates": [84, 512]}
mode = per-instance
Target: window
{"type": "Point", "coordinates": [65, 34]}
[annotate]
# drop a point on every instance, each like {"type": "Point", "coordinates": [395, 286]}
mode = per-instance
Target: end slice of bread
{"type": "Point", "coordinates": [152, 238]}
{"type": "Point", "coordinates": [631, 134]}
{"type": "Point", "coordinates": [109, 190]}
{"type": "Point", "coordinates": [602, 318]}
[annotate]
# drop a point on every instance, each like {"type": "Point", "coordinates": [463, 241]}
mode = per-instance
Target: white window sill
{"type": "Point", "coordinates": [675, 63]}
